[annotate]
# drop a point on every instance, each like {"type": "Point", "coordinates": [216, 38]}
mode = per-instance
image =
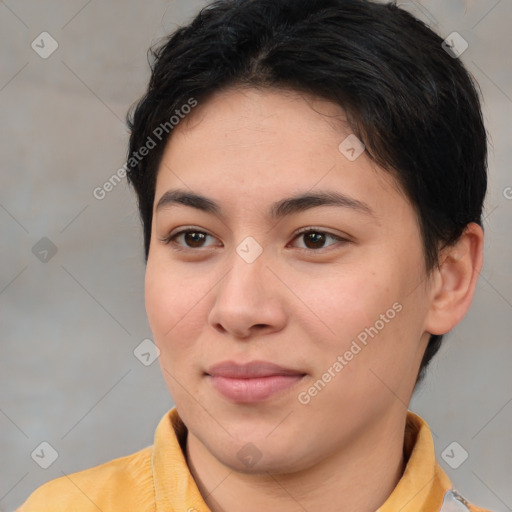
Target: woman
{"type": "Point", "coordinates": [310, 178]}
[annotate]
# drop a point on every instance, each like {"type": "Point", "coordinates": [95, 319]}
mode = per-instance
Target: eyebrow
{"type": "Point", "coordinates": [284, 207]}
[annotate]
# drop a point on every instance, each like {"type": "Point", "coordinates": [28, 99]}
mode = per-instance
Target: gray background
{"type": "Point", "coordinates": [69, 325]}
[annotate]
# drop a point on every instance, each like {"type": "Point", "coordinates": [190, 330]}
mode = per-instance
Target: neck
{"type": "Point", "coordinates": [358, 477]}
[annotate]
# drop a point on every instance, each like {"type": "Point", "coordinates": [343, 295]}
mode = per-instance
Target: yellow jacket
{"type": "Point", "coordinates": [157, 479]}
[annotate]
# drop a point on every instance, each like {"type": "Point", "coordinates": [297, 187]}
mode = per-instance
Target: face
{"type": "Point", "coordinates": [234, 285]}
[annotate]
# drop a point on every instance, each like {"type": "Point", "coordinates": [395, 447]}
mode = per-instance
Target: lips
{"type": "Point", "coordinates": [253, 369]}
{"type": "Point", "coordinates": [251, 382]}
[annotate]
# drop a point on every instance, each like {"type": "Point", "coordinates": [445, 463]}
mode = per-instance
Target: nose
{"type": "Point", "coordinates": [249, 299]}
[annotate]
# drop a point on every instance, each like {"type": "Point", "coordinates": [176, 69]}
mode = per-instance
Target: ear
{"type": "Point", "coordinates": [454, 282]}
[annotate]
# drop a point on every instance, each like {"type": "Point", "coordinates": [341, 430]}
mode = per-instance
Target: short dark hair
{"type": "Point", "coordinates": [414, 105]}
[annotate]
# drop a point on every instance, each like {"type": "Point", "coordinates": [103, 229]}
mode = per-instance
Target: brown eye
{"type": "Point", "coordinates": [315, 239]}
{"type": "Point", "coordinates": [194, 238]}
{"type": "Point", "coordinates": [191, 239]}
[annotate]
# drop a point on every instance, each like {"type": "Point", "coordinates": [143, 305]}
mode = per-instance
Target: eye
{"type": "Point", "coordinates": [314, 239]}
{"type": "Point", "coordinates": [193, 239]}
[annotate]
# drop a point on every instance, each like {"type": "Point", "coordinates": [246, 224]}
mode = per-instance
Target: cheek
{"type": "Point", "coordinates": [169, 308]}
{"type": "Point", "coordinates": [159, 299]}
{"type": "Point", "coordinates": [348, 303]}
{"type": "Point", "coordinates": [369, 315]}
{"type": "Point", "coordinates": [167, 302]}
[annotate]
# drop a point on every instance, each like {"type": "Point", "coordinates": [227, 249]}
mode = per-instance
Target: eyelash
{"type": "Point", "coordinates": [171, 239]}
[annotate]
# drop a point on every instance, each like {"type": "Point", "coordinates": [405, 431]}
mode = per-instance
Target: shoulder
{"type": "Point", "coordinates": [124, 483]}
{"type": "Point", "coordinates": [454, 501]}
{"type": "Point", "coordinates": [474, 508]}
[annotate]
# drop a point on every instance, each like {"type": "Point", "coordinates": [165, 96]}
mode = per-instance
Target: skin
{"type": "Point", "coordinates": [299, 305]}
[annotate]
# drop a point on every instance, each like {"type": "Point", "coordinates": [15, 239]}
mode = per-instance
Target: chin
{"type": "Point", "coordinates": [261, 466]}
{"type": "Point", "coordinates": [260, 456]}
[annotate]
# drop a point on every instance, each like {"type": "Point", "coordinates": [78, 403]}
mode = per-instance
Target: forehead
{"type": "Point", "coordinates": [262, 110]}
{"type": "Point", "coordinates": [248, 145]}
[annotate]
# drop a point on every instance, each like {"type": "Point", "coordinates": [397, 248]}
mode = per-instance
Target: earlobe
{"type": "Point", "coordinates": [455, 283]}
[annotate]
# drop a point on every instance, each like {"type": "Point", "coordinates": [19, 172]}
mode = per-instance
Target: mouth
{"type": "Point", "coordinates": [251, 382]}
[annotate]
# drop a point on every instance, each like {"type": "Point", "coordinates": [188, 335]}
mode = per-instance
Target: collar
{"type": "Point", "coordinates": [424, 486]}
{"type": "Point", "coordinates": [424, 483]}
